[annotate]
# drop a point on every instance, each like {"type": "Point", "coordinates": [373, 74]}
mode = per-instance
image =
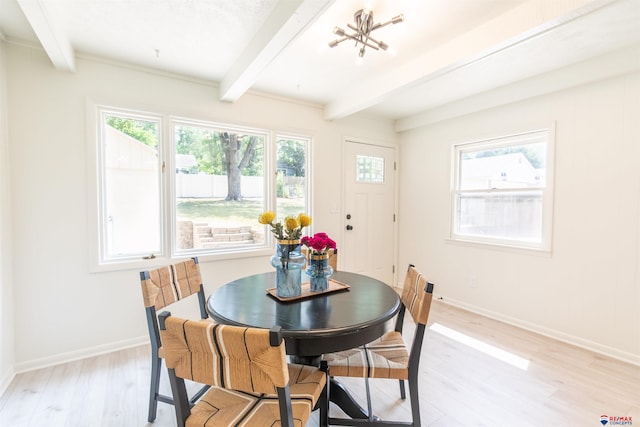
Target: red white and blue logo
{"type": "Point", "coordinates": [616, 421]}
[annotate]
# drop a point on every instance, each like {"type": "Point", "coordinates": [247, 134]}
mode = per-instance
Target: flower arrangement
{"type": "Point", "coordinates": [319, 244]}
{"type": "Point", "coordinates": [290, 229]}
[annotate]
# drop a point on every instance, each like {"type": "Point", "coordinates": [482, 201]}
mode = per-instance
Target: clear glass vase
{"type": "Point", "coordinates": [288, 262]}
{"type": "Point", "coordinates": [319, 272]}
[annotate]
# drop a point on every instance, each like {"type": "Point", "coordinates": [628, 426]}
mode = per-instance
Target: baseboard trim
{"type": "Point", "coordinates": [72, 356]}
{"type": "Point", "coordinates": [547, 332]}
{"type": "Point", "coordinates": [6, 380]}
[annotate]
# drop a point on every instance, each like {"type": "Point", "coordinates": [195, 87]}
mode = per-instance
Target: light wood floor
{"type": "Point", "coordinates": [459, 385]}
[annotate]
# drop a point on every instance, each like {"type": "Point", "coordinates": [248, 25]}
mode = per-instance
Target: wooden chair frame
{"type": "Point", "coordinates": [156, 361]}
{"type": "Point", "coordinates": [413, 365]}
{"type": "Point", "coordinates": [183, 404]}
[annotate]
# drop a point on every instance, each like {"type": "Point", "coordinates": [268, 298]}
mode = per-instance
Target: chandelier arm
{"type": "Point", "coordinates": [373, 40]}
{"type": "Point", "coordinates": [379, 25]}
{"type": "Point", "coordinates": [364, 39]}
{"type": "Point", "coordinates": [341, 39]}
{"type": "Point", "coordinates": [364, 42]}
{"type": "Point", "coordinates": [356, 29]}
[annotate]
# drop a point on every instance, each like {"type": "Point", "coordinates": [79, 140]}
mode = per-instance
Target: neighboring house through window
{"type": "Point", "coordinates": [502, 190]}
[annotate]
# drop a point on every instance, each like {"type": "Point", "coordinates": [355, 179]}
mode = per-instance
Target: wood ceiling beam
{"type": "Point", "coordinates": [287, 21]}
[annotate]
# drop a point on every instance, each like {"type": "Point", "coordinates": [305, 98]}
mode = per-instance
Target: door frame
{"type": "Point", "coordinates": [380, 143]}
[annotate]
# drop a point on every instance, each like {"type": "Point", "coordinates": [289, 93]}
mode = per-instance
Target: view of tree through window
{"type": "Point", "coordinates": [219, 186]}
{"type": "Point", "coordinates": [141, 130]}
{"type": "Point", "coordinates": [209, 191]}
{"type": "Point", "coordinates": [291, 181]}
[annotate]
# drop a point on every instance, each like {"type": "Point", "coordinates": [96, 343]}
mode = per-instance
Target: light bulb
{"type": "Point", "coordinates": [369, 4]}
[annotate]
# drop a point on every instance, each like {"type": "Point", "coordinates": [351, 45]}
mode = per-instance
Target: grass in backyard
{"type": "Point", "coordinates": [229, 213]}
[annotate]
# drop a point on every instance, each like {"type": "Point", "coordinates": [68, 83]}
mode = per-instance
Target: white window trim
{"type": "Point", "coordinates": [545, 245]}
{"type": "Point", "coordinates": [308, 174]}
{"type": "Point", "coordinates": [228, 253]}
{"type": "Point", "coordinates": [97, 263]}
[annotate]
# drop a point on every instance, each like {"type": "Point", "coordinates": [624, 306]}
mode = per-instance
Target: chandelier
{"type": "Point", "coordinates": [364, 26]}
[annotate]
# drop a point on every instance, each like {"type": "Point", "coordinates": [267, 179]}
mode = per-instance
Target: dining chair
{"type": "Point", "coordinates": [251, 382]}
{"type": "Point", "coordinates": [161, 288]}
{"type": "Point", "coordinates": [388, 357]}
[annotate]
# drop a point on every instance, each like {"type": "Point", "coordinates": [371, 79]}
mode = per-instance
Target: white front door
{"type": "Point", "coordinates": [369, 214]}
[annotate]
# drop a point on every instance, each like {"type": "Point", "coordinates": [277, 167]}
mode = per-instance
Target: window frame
{"type": "Point", "coordinates": [96, 181]}
{"type": "Point", "coordinates": [543, 134]}
{"type": "Point", "coordinates": [308, 141]}
{"type": "Point", "coordinates": [231, 252]}
{"type": "Point", "coordinates": [167, 182]}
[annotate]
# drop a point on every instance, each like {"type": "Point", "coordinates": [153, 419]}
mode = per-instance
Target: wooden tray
{"type": "Point", "coordinates": [334, 286]}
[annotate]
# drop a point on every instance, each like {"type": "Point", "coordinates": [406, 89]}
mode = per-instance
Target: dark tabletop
{"type": "Point", "coordinates": [315, 325]}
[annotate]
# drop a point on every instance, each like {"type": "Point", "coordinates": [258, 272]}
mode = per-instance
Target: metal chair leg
{"type": "Point", "coordinates": [403, 394]}
{"type": "Point", "coordinates": [369, 406]}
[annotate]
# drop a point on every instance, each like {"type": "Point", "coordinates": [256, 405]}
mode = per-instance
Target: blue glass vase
{"type": "Point", "coordinates": [319, 271]}
{"type": "Point", "coordinates": [288, 262]}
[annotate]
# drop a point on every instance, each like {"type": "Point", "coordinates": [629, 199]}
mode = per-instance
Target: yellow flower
{"type": "Point", "coordinates": [289, 229]}
{"type": "Point", "coordinates": [291, 223]}
{"type": "Point", "coordinates": [304, 220]}
{"type": "Point", "coordinates": [267, 217]}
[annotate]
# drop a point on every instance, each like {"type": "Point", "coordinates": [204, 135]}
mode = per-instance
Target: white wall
{"type": "Point", "coordinates": [63, 311]}
{"type": "Point", "coordinates": [587, 290]}
{"type": "Point", "coordinates": [6, 288]}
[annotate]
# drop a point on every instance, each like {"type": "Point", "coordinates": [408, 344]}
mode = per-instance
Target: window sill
{"type": "Point", "coordinates": [147, 264]}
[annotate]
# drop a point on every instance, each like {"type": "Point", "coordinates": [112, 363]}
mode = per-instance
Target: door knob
{"type": "Point", "coordinates": [349, 227]}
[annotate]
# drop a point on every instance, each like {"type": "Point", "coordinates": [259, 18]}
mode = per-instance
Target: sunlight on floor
{"type": "Point", "coordinates": [488, 349]}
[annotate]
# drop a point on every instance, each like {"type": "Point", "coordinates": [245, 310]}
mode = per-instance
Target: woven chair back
{"type": "Point", "coordinates": [166, 285]}
{"type": "Point", "coordinates": [415, 297]}
{"type": "Point", "coordinates": [225, 356]}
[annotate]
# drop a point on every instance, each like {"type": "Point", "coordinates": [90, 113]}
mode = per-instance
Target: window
{"type": "Point", "coordinates": [291, 180]}
{"type": "Point", "coordinates": [219, 187]}
{"type": "Point", "coordinates": [130, 212]}
{"type": "Point", "coordinates": [198, 193]}
{"type": "Point", "coordinates": [370, 169]}
{"type": "Point", "coordinates": [502, 190]}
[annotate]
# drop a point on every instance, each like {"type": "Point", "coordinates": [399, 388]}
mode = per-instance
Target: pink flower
{"type": "Point", "coordinates": [319, 244]}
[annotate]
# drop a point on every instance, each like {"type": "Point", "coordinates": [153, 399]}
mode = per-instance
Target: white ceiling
{"type": "Point", "coordinates": [447, 50]}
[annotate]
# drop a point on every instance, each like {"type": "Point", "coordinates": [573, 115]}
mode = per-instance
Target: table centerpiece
{"type": "Point", "coordinates": [288, 261]}
{"type": "Point", "coordinates": [319, 269]}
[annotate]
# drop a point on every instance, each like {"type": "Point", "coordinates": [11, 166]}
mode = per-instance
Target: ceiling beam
{"type": "Point", "coordinates": [286, 22]}
{"type": "Point", "coordinates": [54, 41]}
{"type": "Point", "coordinates": [599, 68]}
{"type": "Point", "coordinates": [518, 25]}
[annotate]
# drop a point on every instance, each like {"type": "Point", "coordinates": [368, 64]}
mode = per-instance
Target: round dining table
{"type": "Point", "coordinates": [315, 324]}
{"type": "Point", "coordinates": [311, 326]}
